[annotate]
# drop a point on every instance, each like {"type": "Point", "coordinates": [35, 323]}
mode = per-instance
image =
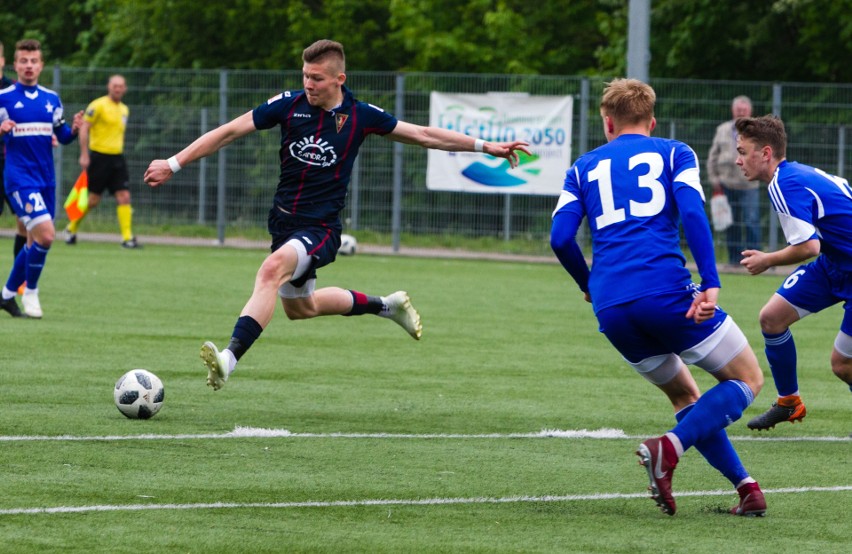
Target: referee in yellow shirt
{"type": "Point", "coordinates": [102, 156]}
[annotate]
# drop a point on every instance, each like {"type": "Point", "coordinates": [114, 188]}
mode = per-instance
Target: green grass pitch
{"type": "Point", "coordinates": [376, 442]}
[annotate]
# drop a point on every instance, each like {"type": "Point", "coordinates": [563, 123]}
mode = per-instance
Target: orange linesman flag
{"type": "Point", "coordinates": [78, 199]}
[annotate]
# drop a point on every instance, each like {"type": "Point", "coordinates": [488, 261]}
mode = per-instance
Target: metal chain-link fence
{"type": "Point", "coordinates": [232, 190]}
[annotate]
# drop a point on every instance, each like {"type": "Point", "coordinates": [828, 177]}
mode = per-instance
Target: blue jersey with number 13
{"type": "Point", "coordinates": [626, 188]}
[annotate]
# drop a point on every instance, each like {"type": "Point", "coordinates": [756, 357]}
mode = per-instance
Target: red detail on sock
{"type": "Point", "coordinates": [359, 298]}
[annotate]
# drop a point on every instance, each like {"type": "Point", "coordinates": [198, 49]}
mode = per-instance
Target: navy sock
{"type": "Point", "coordinates": [20, 242]}
{"type": "Point", "coordinates": [781, 354]}
{"type": "Point", "coordinates": [719, 452]}
{"type": "Point", "coordinates": [363, 304]}
{"type": "Point", "coordinates": [246, 331]}
{"type": "Point", "coordinates": [715, 410]}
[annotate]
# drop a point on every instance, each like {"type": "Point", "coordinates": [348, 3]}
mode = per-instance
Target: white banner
{"type": "Point", "coordinates": [543, 121]}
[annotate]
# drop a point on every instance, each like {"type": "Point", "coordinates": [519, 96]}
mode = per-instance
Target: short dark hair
{"type": "Point", "coordinates": [28, 44]}
{"type": "Point", "coordinates": [767, 130]}
{"type": "Point", "coordinates": [323, 49]}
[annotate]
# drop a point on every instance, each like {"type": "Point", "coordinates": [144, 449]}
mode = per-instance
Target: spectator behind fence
{"type": "Point", "coordinates": [743, 195]}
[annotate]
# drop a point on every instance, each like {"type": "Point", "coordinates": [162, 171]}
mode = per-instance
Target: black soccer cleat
{"type": "Point", "coordinates": [9, 305]}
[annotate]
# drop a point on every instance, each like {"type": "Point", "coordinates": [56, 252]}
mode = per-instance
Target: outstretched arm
{"type": "Point", "coordinates": [756, 262]}
{"type": "Point", "coordinates": [160, 171]}
{"type": "Point", "coordinates": [452, 141]}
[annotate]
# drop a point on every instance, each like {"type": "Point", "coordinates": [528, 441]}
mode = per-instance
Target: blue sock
{"type": "Point", "coordinates": [19, 270]}
{"type": "Point", "coordinates": [35, 263]}
{"type": "Point", "coordinates": [715, 410]}
{"type": "Point", "coordinates": [781, 355]}
{"type": "Point", "coordinates": [719, 452]}
{"type": "Point", "coordinates": [246, 331]}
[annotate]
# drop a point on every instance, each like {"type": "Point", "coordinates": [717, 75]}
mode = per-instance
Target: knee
{"type": "Point", "coordinates": [842, 367]}
{"type": "Point", "coordinates": [770, 323]}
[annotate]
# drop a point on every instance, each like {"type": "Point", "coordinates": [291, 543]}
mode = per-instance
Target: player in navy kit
{"type": "Point", "coordinates": [322, 128]}
{"type": "Point", "coordinates": [633, 190]}
{"type": "Point", "coordinates": [815, 211]}
{"type": "Point", "coordinates": [30, 115]}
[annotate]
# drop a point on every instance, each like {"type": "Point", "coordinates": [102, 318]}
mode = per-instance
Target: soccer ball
{"type": "Point", "coordinates": [139, 394]}
{"type": "Point", "coordinates": [348, 244]}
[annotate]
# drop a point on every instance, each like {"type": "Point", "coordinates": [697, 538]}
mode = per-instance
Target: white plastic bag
{"type": "Point", "coordinates": [720, 210]}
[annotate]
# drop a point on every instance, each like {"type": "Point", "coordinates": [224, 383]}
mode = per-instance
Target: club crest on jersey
{"type": "Point", "coordinates": [341, 120]}
{"type": "Point", "coordinates": [314, 151]}
{"type": "Point", "coordinates": [28, 208]}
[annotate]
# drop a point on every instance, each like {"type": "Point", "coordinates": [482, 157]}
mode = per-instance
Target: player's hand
{"type": "Point", "coordinates": [77, 122]}
{"type": "Point", "coordinates": [703, 305]}
{"type": "Point", "coordinates": [158, 172]}
{"type": "Point", "coordinates": [755, 261]}
{"type": "Point", "coordinates": [6, 126]}
{"type": "Point", "coordinates": [507, 150]}
{"type": "Point", "coordinates": [588, 297]}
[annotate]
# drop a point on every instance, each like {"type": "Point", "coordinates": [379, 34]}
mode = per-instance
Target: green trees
{"type": "Point", "coordinates": [784, 40]}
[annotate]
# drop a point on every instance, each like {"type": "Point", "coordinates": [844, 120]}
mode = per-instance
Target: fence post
{"type": "Point", "coordinates": [220, 188]}
{"type": "Point", "coordinates": [584, 118]}
{"type": "Point", "coordinates": [396, 214]}
{"type": "Point", "coordinates": [202, 173]}
{"type": "Point", "coordinates": [773, 219]}
{"type": "Point", "coordinates": [57, 159]}
{"type": "Point", "coordinates": [841, 150]}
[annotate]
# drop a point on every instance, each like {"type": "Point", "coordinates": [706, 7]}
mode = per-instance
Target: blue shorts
{"type": "Point", "coordinates": [818, 285]}
{"type": "Point", "coordinates": [321, 239]}
{"type": "Point", "coordinates": [33, 205]}
{"type": "Point", "coordinates": [656, 325]}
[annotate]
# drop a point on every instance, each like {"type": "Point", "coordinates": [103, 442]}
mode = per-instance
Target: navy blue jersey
{"type": "Point", "coordinates": [812, 204]}
{"type": "Point", "coordinates": [37, 113]}
{"type": "Point", "coordinates": [318, 149]}
{"type": "Point", "coordinates": [634, 190]}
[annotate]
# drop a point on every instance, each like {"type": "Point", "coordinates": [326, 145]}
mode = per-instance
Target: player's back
{"type": "Point", "coordinates": [627, 189]}
{"type": "Point", "coordinates": [808, 199]}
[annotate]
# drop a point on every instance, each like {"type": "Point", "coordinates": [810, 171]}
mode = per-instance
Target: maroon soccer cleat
{"type": "Point", "coordinates": [660, 459]}
{"type": "Point", "coordinates": [752, 503]}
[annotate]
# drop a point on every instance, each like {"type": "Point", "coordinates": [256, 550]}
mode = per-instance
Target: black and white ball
{"type": "Point", "coordinates": [139, 394]}
{"type": "Point", "coordinates": [348, 245]}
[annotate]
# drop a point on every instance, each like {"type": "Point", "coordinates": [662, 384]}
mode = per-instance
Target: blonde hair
{"type": "Point", "coordinates": [628, 102]}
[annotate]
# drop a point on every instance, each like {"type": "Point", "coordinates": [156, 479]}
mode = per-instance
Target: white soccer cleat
{"type": "Point", "coordinates": [399, 308]}
{"type": "Point", "coordinates": [217, 365]}
{"type": "Point", "coordinates": [32, 307]}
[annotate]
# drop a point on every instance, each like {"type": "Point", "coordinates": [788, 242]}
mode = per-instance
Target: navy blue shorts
{"type": "Point", "coordinates": [321, 239]}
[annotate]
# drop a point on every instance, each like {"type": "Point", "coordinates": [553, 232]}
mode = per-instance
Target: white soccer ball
{"type": "Point", "coordinates": [348, 245]}
{"type": "Point", "coordinates": [139, 394]}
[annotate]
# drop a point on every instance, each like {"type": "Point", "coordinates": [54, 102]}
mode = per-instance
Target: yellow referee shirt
{"type": "Point", "coordinates": [107, 121]}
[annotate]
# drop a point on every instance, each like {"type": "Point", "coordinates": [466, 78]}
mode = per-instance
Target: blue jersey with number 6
{"type": "Point", "coordinates": [630, 190]}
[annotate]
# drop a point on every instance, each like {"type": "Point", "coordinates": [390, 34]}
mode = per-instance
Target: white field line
{"type": "Point", "coordinates": [386, 502]}
{"type": "Point", "coordinates": [254, 432]}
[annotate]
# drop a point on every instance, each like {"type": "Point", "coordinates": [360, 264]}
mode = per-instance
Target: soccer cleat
{"type": "Point", "coordinates": [399, 308]}
{"type": "Point", "coordinates": [787, 408]}
{"type": "Point", "coordinates": [217, 365]}
{"type": "Point", "coordinates": [70, 238]}
{"type": "Point", "coordinates": [32, 307]}
{"type": "Point", "coordinates": [752, 503]}
{"type": "Point", "coordinates": [132, 243]}
{"type": "Point", "coordinates": [652, 455]}
{"type": "Point", "coordinates": [9, 305]}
